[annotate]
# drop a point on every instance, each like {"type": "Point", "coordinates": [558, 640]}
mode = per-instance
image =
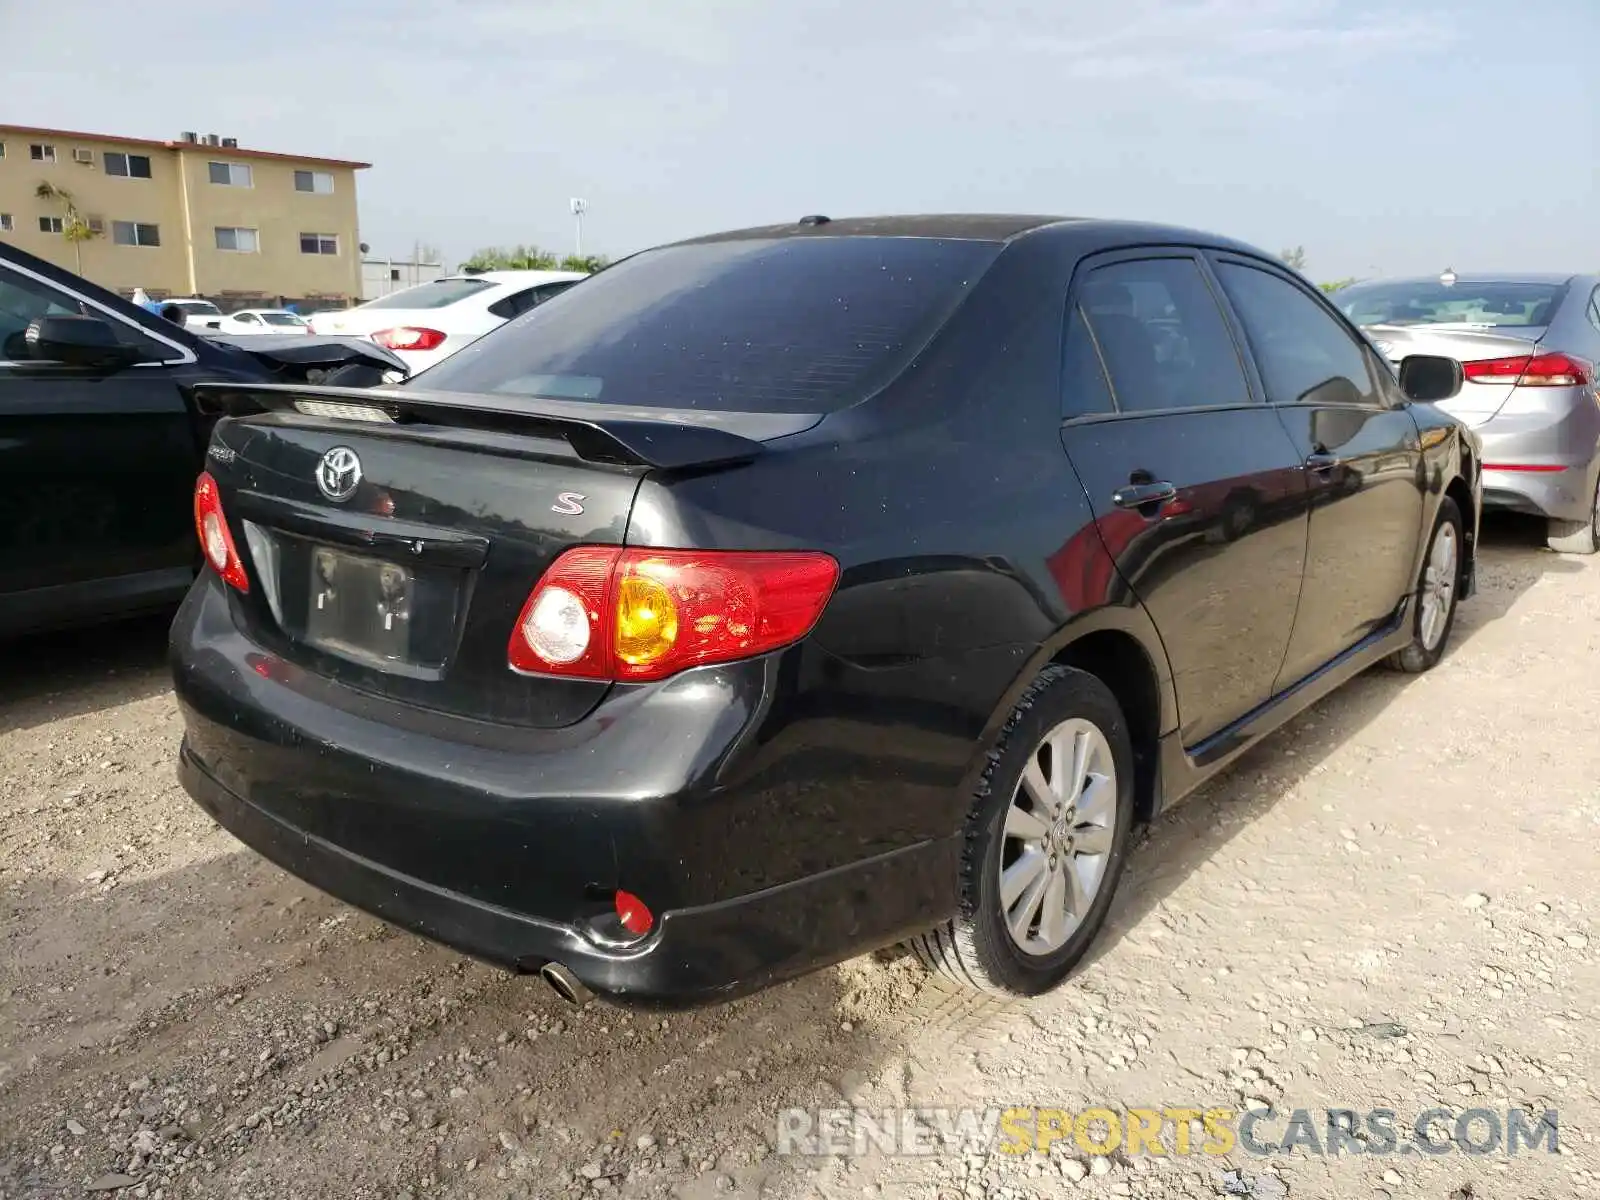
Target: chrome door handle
{"type": "Point", "coordinates": [1321, 460]}
{"type": "Point", "coordinates": [1137, 495]}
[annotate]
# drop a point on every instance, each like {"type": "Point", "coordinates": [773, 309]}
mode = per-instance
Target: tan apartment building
{"type": "Point", "coordinates": [199, 216]}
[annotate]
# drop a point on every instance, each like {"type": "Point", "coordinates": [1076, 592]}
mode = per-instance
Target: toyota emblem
{"type": "Point", "coordinates": [339, 474]}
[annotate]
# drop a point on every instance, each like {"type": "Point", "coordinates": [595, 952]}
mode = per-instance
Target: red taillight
{"type": "Point", "coordinates": [1537, 370]}
{"type": "Point", "coordinates": [409, 337]}
{"type": "Point", "coordinates": [215, 540]}
{"type": "Point", "coordinates": [633, 914]}
{"type": "Point", "coordinates": [602, 612]}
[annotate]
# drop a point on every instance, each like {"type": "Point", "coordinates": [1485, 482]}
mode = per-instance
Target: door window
{"type": "Point", "coordinates": [1305, 355]}
{"type": "Point", "coordinates": [24, 300]}
{"type": "Point", "coordinates": [1163, 339]}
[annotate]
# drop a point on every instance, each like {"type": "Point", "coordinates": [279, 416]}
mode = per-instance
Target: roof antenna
{"type": "Point", "coordinates": [816, 219]}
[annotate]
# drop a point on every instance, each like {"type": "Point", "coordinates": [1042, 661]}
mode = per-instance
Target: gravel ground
{"type": "Point", "coordinates": [1392, 903]}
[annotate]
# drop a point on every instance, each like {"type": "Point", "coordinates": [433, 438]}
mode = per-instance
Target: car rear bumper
{"type": "Point", "coordinates": [1542, 463]}
{"type": "Point", "coordinates": [509, 843]}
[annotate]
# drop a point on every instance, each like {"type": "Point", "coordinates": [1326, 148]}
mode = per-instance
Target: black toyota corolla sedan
{"type": "Point", "coordinates": [782, 594]}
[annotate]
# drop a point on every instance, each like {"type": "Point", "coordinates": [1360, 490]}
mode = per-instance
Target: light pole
{"type": "Point", "coordinates": [579, 207]}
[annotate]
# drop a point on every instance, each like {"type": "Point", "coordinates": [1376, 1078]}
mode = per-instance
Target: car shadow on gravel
{"type": "Point", "coordinates": [186, 976]}
{"type": "Point", "coordinates": [67, 673]}
{"type": "Point", "coordinates": [1512, 558]}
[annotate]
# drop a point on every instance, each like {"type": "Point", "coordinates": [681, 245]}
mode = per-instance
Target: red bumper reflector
{"type": "Point", "coordinates": [633, 914]}
{"type": "Point", "coordinates": [1542, 468]}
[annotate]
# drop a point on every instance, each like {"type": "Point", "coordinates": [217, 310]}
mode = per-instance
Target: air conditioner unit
{"type": "Point", "coordinates": [86, 157]}
{"type": "Point", "coordinates": [213, 140]}
{"type": "Point", "coordinates": [230, 143]}
{"type": "Point", "coordinates": [95, 224]}
{"type": "Point", "coordinates": [191, 137]}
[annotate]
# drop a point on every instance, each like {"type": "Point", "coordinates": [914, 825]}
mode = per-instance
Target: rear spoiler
{"type": "Point", "coordinates": [605, 433]}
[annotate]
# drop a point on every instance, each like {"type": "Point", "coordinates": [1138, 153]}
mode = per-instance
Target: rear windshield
{"type": "Point", "coordinates": [1481, 305]}
{"type": "Point", "coordinates": [800, 325]}
{"type": "Point", "coordinates": [438, 294]}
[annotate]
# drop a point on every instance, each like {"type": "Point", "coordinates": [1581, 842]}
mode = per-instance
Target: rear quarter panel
{"type": "Point", "coordinates": [969, 558]}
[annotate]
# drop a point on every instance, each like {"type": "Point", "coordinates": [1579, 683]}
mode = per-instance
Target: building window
{"type": "Point", "coordinates": [5, 223]}
{"type": "Point", "coordinates": [231, 174]}
{"type": "Point", "coordinates": [42, 152]}
{"type": "Point", "coordinates": [319, 243]}
{"type": "Point", "coordinates": [245, 241]}
{"type": "Point", "coordinates": [134, 233]}
{"type": "Point", "coordinates": [49, 224]}
{"type": "Point", "coordinates": [394, 274]}
{"type": "Point", "coordinates": [132, 166]}
{"type": "Point", "coordinates": [320, 182]}
{"type": "Point", "coordinates": [2, 149]}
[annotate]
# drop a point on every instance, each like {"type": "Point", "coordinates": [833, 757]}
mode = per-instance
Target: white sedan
{"type": "Point", "coordinates": [433, 320]}
{"type": "Point", "coordinates": [277, 321]}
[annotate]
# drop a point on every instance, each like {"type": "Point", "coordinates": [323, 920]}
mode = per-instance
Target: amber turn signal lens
{"type": "Point", "coordinates": [647, 620]}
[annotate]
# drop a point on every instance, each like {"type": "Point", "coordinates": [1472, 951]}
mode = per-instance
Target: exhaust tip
{"type": "Point", "coordinates": [565, 984]}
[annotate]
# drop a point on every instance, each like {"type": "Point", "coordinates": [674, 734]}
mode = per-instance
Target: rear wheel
{"type": "Point", "coordinates": [1576, 537]}
{"type": "Point", "coordinates": [1046, 840]}
{"type": "Point", "coordinates": [1437, 591]}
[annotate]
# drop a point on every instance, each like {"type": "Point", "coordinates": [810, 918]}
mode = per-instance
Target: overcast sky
{"type": "Point", "coordinates": [1383, 136]}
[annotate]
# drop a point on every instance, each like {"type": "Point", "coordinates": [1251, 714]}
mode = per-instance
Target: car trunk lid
{"type": "Point", "coordinates": [395, 533]}
{"type": "Point", "coordinates": [1477, 402]}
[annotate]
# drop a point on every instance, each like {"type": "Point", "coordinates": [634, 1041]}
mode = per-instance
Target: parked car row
{"type": "Point", "coordinates": [784, 593]}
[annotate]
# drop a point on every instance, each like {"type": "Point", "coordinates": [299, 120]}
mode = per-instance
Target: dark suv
{"type": "Point", "coordinates": [781, 594]}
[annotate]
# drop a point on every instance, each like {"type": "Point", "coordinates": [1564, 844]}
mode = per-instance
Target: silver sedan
{"type": "Point", "coordinates": [1528, 345]}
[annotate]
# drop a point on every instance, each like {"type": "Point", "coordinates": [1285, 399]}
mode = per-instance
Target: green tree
{"type": "Point", "coordinates": [74, 227]}
{"type": "Point", "coordinates": [1336, 285]}
{"type": "Point", "coordinates": [511, 258]}
{"type": "Point", "coordinates": [1294, 257]}
{"type": "Point", "coordinates": [584, 262]}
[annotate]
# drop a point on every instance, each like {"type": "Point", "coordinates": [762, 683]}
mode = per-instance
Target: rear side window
{"type": "Point", "coordinates": [805, 324]}
{"type": "Point", "coordinates": [1162, 336]}
{"type": "Point", "coordinates": [518, 303]}
{"type": "Point", "coordinates": [1305, 355]}
{"type": "Point", "coordinates": [438, 294]}
{"type": "Point", "coordinates": [1084, 390]}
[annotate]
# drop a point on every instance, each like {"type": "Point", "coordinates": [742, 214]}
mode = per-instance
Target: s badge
{"type": "Point", "coordinates": [569, 504]}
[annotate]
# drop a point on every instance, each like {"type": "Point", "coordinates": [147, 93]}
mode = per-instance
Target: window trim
{"type": "Point", "coordinates": [1144, 252]}
{"type": "Point", "coordinates": [218, 230]}
{"type": "Point", "coordinates": [247, 168]}
{"type": "Point", "coordinates": [127, 158]}
{"type": "Point", "coordinates": [313, 190]}
{"type": "Point", "coordinates": [1594, 307]}
{"type": "Point", "coordinates": [320, 237]}
{"type": "Point", "coordinates": [136, 244]}
{"type": "Point", "coordinates": [59, 222]}
{"type": "Point", "coordinates": [47, 152]}
{"type": "Point", "coordinates": [183, 354]}
{"type": "Point", "coordinates": [1384, 384]}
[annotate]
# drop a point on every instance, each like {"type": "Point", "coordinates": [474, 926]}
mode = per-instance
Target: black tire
{"type": "Point", "coordinates": [1418, 656]}
{"type": "Point", "coordinates": [975, 948]}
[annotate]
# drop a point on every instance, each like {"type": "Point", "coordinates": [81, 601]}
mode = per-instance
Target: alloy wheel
{"type": "Point", "coordinates": [1438, 586]}
{"type": "Point", "coordinates": [1058, 835]}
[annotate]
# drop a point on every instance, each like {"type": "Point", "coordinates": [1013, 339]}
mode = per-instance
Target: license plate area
{"type": "Point", "coordinates": [378, 612]}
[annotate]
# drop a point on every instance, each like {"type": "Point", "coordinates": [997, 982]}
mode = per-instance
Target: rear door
{"type": "Point", "coordinates": [1361, 452]}
{"type": "Point", "coordinates": [1195, 485]}
{"type": "Point", "coordinates": [97, 470]}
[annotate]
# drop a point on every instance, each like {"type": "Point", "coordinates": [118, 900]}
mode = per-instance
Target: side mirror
{"type": "Point", "coordinates": [1429, 378]}
{"type": "Point", "coordinates": [79, 342]}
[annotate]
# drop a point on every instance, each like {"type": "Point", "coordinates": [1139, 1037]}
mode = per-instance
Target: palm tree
{"type": "Point", "coordinates": [74, 228]}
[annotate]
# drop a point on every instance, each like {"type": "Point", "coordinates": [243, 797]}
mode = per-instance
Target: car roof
{"type": "Point", "coordinates": [1550, 277]}
{"type": "Point", "coordinates": [516, 276]}
{"type": "Point", "coordinates": [1087, 232]}
{"type": "Point", "coordinates": [279, 311]}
